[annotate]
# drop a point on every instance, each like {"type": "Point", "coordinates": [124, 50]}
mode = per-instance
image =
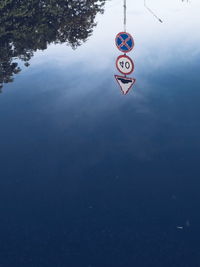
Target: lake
{"type": "Point", "coordinates": [91, 177]}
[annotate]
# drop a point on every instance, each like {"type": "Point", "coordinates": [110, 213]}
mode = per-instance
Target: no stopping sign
{"type": "Point", "coordinates": [124, 42]}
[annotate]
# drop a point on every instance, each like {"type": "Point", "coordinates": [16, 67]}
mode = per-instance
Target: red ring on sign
{"type": "Point", "coordinates": [132, 69]}
{"type": "Point", "coordinates": [124, 42]}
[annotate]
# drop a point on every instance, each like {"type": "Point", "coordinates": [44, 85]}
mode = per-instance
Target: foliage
{"type": "Point", "coordinates": [28, 25]}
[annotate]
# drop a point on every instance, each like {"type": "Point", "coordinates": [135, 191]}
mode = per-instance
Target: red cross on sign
{"type": "Point", "coordinates": [124, 42]}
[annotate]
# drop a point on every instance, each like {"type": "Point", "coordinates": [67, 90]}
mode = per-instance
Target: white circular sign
{"type": "Point", "coordinates": [124, 64]}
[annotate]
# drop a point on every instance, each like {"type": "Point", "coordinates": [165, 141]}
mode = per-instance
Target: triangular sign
{"type": "Point", "coordinates": [125, 83]}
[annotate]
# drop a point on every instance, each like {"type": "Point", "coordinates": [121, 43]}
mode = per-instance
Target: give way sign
{"type": "Point", "coordinates": [125, 83]}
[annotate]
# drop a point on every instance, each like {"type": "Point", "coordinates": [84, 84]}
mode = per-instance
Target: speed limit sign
{"type": "Point", "coordinates": [125, 64]}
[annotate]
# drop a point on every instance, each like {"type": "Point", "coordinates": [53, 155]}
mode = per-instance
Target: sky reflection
{"type": "Point", "coordinates": [90, 177]}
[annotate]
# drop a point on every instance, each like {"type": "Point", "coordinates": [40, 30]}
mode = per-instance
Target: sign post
{"type": "Point", "coordinates": [124, 64]}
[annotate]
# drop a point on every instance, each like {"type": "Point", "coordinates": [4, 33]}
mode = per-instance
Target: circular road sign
{"type": "Point", "coordinates": [125, 64]}
{"type": "Point", "coordinates": [124, 42]}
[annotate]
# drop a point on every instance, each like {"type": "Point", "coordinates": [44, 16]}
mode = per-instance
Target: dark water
{"type": "Point", "coordinates": [92, 178]}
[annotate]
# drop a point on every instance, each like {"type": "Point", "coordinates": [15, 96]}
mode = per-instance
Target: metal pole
{"type": "Point", "coordinates": [145, 5]}
{"type": "Point", "coordinates": [125, 15]}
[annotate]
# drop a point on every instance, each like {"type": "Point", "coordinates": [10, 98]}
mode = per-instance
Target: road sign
{"type": "Point", "coordinates": [124, 64]}
{"type": "Point", "coordinates": [124, 42]}
{"type": "Point", "coordinates": [125, 83]}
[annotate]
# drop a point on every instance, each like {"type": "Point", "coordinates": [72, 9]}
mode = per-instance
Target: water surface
{"type": "Point", "coordinates": [92, 178]}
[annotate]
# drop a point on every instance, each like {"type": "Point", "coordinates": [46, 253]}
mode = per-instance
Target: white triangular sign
{"type": "Point", "coordinates": [125, 83]}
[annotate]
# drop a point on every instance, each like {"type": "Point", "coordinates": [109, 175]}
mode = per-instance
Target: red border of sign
{"type": "Point", "coordinates": [130, 38]}
{"type": "Point", "coordinates": [125, 73]}
{"type": "Point", "coordinates": [133, 79]}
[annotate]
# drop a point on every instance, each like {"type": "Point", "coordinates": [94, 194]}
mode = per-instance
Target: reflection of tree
{"type": "Point", "coordinates": [28, 25]}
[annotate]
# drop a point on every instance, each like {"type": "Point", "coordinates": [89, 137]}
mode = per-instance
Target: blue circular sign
{"type": "Point", "coordinates": [124, 42]}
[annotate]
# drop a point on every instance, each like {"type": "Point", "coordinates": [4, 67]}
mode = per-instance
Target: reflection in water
{"type": "Point", "coordinates": [27, 25]}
